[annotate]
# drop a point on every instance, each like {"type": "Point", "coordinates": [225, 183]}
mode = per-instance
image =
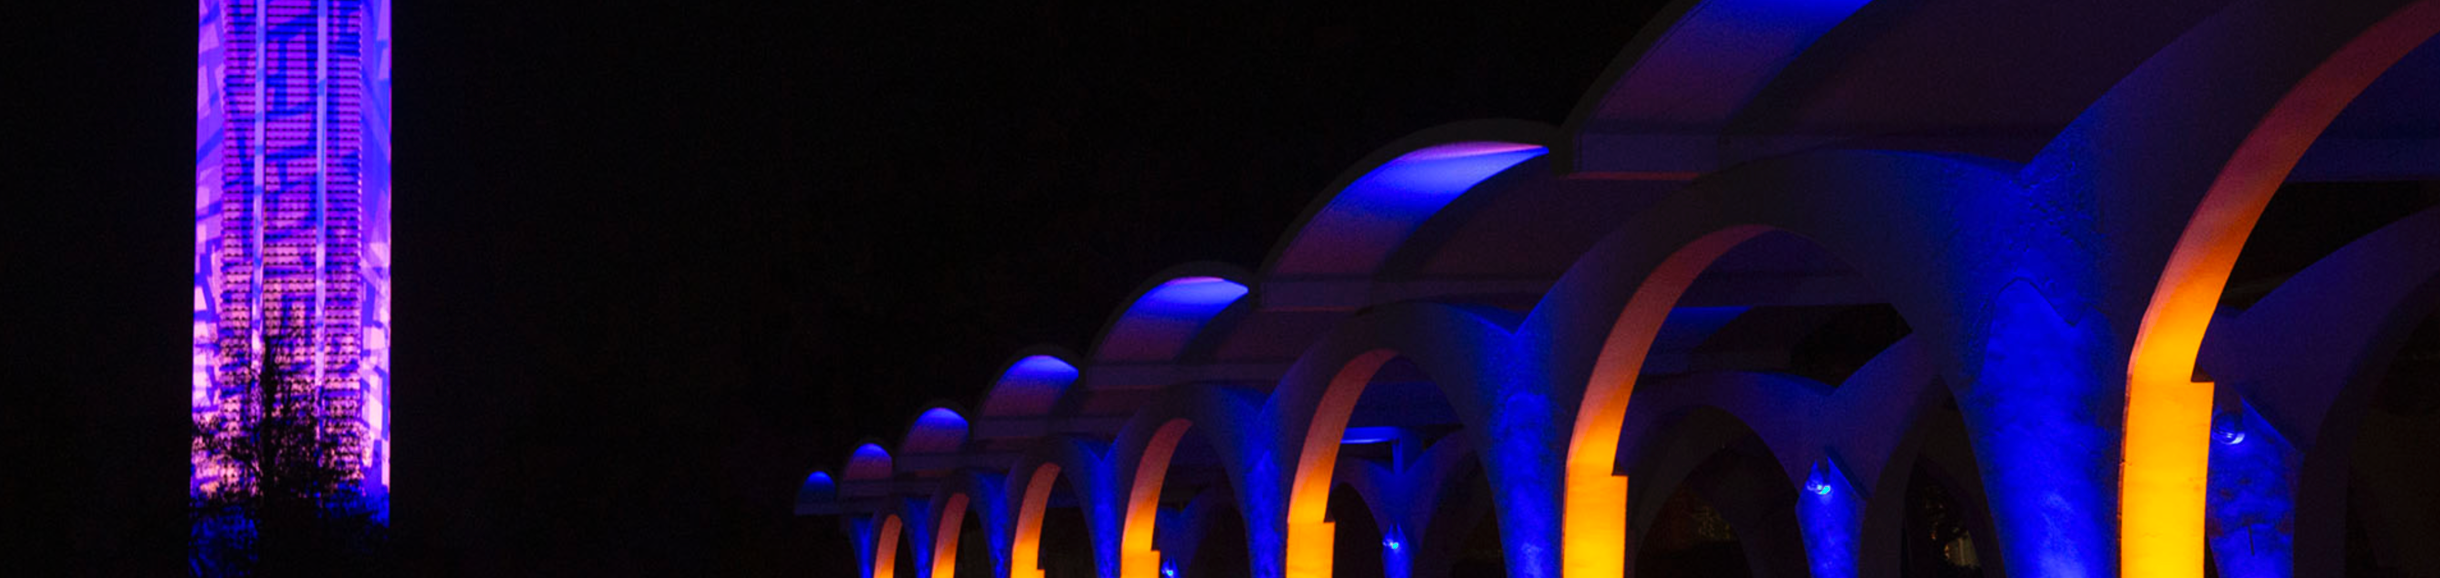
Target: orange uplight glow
{"type": "Point", "coordinates": [944, 545]}
{"type": "Point", "coordinates": [1025, 553]}
{"type": "Point", "coordinates": [1136, 556]}
{"type": "Point", "coordinates": [885, 549]}
{"type": "Point", "coordinates": [1311, 536]}
{"type": "Point", "coordinates": [2168, 415]}
{"type": "Point", "coordinates": [1596, 516]}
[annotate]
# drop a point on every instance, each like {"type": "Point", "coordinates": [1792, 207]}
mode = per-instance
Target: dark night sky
{"type": "Point", "coordinates": [657, 262]}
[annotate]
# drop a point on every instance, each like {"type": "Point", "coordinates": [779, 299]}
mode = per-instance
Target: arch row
{"type": "Point", "coordinates": [1587, 316]}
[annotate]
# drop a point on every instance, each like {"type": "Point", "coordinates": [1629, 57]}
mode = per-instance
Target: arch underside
{"type": "Point", "coordinates": [2050, 217]}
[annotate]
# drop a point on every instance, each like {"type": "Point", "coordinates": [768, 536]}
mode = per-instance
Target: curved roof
{"type": "Point", "coordinates": [818, 488]}
{"type": "Point", "coordinates": [1029, 386]}
{"type": "Point", "coordinates": [937, 430]}
{"type": "Point", "coordinates": [869, 462]}
{"type": "Point", "coordinates": [1362, 223]}
{"type": "Point", "coordinates": [1163, 319]}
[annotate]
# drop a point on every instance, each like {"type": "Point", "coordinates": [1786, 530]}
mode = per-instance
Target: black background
{"type": "Point", "coordinates": [657, 261]}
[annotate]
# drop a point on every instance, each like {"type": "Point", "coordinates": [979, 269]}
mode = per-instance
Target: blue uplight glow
{"type": "Point", "coordinates": [1159, 324]}
{"type": "Point", "coordinates": [1031, 386]}
{"type": "Point", "coordinates": [1169, 569]}
{"type": "Point", "coordinates": [1041, 367]}
{"type": "Point", "coordinates": [817, 488]}
{"type": "Point", "coordinates": [868, 462]}
{"type": "Point", "coordinates": [1832, 520]}
{"type": "Point", "coordinates": [1194, 292]}
{"type": "Point", "coordinates": [1369, 217]}
{"type": "Point", "coordinates": [937, 430]}
{"type": "Point", "coordinates": [1369, 435]}
{"type": "Point", "coordinates": [2228, 429]}
{"type": "Point", "coordinates": [2251, 502]}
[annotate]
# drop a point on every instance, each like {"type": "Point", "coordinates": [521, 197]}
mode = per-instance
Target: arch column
{"type": "Point", "coordinates": [2308, 356]}
{"type": "Point", "coordinates": [1999, 280]}
{"type": "Point", "coordinates": [2184, 154]}
{"type": "Point", "coordinates": [1084, 465]}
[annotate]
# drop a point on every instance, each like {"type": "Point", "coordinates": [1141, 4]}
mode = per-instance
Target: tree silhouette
{"type": "Point", "coordinates": [288, 503]}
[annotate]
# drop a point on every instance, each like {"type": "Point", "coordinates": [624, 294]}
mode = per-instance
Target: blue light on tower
{"type": "Point", "coordinates": [1169, 570]}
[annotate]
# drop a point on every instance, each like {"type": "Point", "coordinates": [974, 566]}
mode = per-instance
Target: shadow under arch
{"type": "Point", "coordinates": [2313, 354]}
{"type": "Point", "coordinates": [1707, 460]}
{"type": "Point", "coordinates": [1935, 452]}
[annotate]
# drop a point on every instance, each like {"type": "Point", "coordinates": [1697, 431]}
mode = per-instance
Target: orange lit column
{"type": "Point", "coordinates": [1136, 556]}
{"type": "Point", "coordinates": [1596, 497]}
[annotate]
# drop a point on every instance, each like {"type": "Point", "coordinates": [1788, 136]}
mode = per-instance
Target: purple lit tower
{"type": "Point", "coordinates": [292, 216]}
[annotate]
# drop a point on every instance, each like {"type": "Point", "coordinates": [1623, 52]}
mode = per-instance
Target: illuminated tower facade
{"type": "Point", "coordinates": [292, 195]}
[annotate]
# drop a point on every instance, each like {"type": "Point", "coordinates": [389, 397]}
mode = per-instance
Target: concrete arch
{"type": "Point", "coordinates": [1165, 317]}
{"type": "Point", "coordinates": [937, 430]}
{"type": "Point", "coordinates": [1685, 75]}
{"type": "Point", "coordinates": [866, 471]}
{"type": "Point", "coordinates": [881, 554]}
{"type": "Point", "coordinates": [1141, 459]}
{"type": "Point", "coordinates": [2308, 358]}
{"type": "Point", "coordinates": [1695, 439]}
{"type": "Point", "coordinates": [1194, 523]}
{"type": "Point", "coordinates": [1824, 439]}
{"type": "Point", "coordinates": [1030, 385]}
{"type": "Point", "coordinates": [1029, 486]}
{"type": "Point", "coordinates": [1804, 421]}
{"type": "Point", "coordinates": [1404, 499]}
{"type": "Point", "coordinates": [2203, 134]}
{"type": "Point", "coordinates": [1314, 401]}
{"type": "Point", "coordinates": [1368, 211]}
{"type": "Point", "coordinates": [1883, 515]}
{"type": "Point", "coordinates": [1435, 477]}
{"type": "Point", "coordinates": [1913, 255]}
{"type": "Point", "coordinates": [818, 494]}
{"type": "Point", "coordinates": [958, 494]}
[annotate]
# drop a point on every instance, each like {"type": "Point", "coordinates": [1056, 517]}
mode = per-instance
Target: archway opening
{"type": "Point", "coordinates": [2358, 119]}
{"type": "Point", "coordinates": [1468, 534]}
{"type": "Point", "coordinates": [1384, 414]}
{"type": "Point", "coordinates": [973, 557]}
{"type": "Point", "coordinates": [2393, 482]}
{"type": "Point", "coordinates": [1221, 551]}
{"type": "Point", "coordinates": [1928, 516]}
{"type": "Point", "coordinates": [1173, 469]}
{"type": "Point", "coordinates": [1355, 528]}
{"type": "Point", "coordinates": [1066, 544]}
{"type": "Point", "coordinates": [897, 557]}
{"type": "Point", "coordinates": [1776, 303]}
{"type": "Point", "coordinates": [1717, 503]}
{"type": "Point", "coordinates": [1742, 300]}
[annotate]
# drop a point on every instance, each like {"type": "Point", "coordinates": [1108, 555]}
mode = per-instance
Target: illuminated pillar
{"type": "Point", "coordinates": [292, 199]}
{"type": "Point", "coordinates": [1833, 519]}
